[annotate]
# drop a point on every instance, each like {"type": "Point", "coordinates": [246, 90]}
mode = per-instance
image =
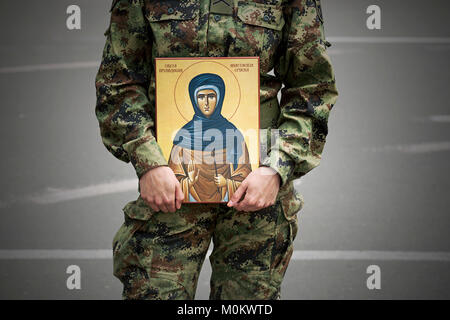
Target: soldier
{"type": "Point", "coordinates": [160, 248]}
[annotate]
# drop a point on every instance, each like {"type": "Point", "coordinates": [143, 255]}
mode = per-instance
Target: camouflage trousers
{"type": "Point", "coordinates": [159, 255]}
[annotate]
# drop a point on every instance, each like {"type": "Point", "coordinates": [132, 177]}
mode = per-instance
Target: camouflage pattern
{"type": "Point", "coordinates": [160, 256]}
{"type": "Point", "coordinates": [287, 35]}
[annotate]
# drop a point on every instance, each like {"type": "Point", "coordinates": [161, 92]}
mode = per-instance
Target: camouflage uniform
{"type": "Point", "coordinates": [159, 255]}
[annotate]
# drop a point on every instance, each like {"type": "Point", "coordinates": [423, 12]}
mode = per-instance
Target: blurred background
{"type": "Point", "coordinates": [380, 196]}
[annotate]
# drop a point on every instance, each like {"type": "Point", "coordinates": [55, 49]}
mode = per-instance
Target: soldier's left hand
{"type": "Point", "coordinates": [259, 189]}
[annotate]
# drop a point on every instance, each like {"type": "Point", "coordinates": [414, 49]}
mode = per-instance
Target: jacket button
{"type": "Point", "coordinates": [170, 10]}
{"type": "Point", "coordinates": [266, 18]}
{"type": "Point", "coordinates": [217, 17]}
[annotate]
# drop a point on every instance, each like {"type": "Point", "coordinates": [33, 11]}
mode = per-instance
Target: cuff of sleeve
{"type": "Point", "coordinates": [145, 155]}
{"type": "Point", "coordinates": [281, 163]}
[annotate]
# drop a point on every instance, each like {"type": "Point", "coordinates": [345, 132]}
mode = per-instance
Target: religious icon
{"type": "Point", "coordinates": [208, 153]}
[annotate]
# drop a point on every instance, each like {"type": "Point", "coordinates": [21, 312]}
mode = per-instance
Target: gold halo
{"type": "Point", "coordinates": [232, 89]}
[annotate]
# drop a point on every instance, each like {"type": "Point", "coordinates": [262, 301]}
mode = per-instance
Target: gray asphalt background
{"type": "Point", "coordinates": [383, 183]}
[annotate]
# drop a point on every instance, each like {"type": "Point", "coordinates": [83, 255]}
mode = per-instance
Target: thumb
{"type": "Point", "coordinates": [238, 194]}
{"type": "Point", "coordinates": [179, 196]}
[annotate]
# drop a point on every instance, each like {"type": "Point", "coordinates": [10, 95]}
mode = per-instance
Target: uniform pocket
{"type": "Point", "coordinates": [171, 10]}
{"type": "Point", "coordinates": [174, 25]}
{"type": "Point", "coordinates": [130, 259]}
{"type": "Point", "coordinates": [125, 233]}
{"type": "Point", "coordinates": [138, 210]}
{"type": "Point", "coordinates": [259, 31]}
{"type": "Point", "coordinates": [291, 202]}
{"type": "Point", "coordinates": [262, 15]}
{"type": "Point", "coordinates": [282, 249]}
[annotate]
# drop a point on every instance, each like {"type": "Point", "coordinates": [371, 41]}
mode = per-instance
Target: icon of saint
{"type": "Point", "coordinates": [209, 155]}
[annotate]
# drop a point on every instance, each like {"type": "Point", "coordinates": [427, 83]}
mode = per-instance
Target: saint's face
{"type": "Point", "coordinates": [207, 100]}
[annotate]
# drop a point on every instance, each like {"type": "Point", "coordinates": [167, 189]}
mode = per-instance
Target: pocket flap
{"type": "Point", "coordinates": [291, 201]}
{"type": "Point", "coordinates": [138, 210]}
{"type": "Point", "coordinates": [263, 15]}
{"type": "Point", "coordinates": [171, 10]}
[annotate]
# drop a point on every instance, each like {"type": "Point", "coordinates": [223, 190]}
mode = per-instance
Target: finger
{"type": "Point", "coordinates": [170, 198]}
{"type": "Point", "coordinates": [251, 202]}
{"type": "Point", "coordinates": [172, 205]}
{"type": "Point", "coordinates": [163, 208]}
{"type": "Point", "coordinates": [157, 204]}
{"type": "Point", "coordinates": [243, 206]}
{"type": "Point", "coordinates": [179, 195]}
{"type": "Point", "coordinates": [246, 207]}
{"type": "Point", "coordinates": [238, 194]}
{"type": "Point", "coordinates": [160, 202]}
{"type": "Point", "coordinates": [154, 207]}
{"type": "Point", "coordinates": [149, 203]}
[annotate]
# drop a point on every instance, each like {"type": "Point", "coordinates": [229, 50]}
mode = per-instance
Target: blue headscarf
{"type": "Point", "coordinates": [191, 137]}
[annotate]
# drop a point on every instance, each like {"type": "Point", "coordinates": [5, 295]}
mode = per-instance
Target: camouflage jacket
{"type": "Point", "coordinates": [288, 37]}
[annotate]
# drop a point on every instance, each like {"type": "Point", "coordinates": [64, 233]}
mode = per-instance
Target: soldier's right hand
{"type": "Point", "coordinates": [161, 190]}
